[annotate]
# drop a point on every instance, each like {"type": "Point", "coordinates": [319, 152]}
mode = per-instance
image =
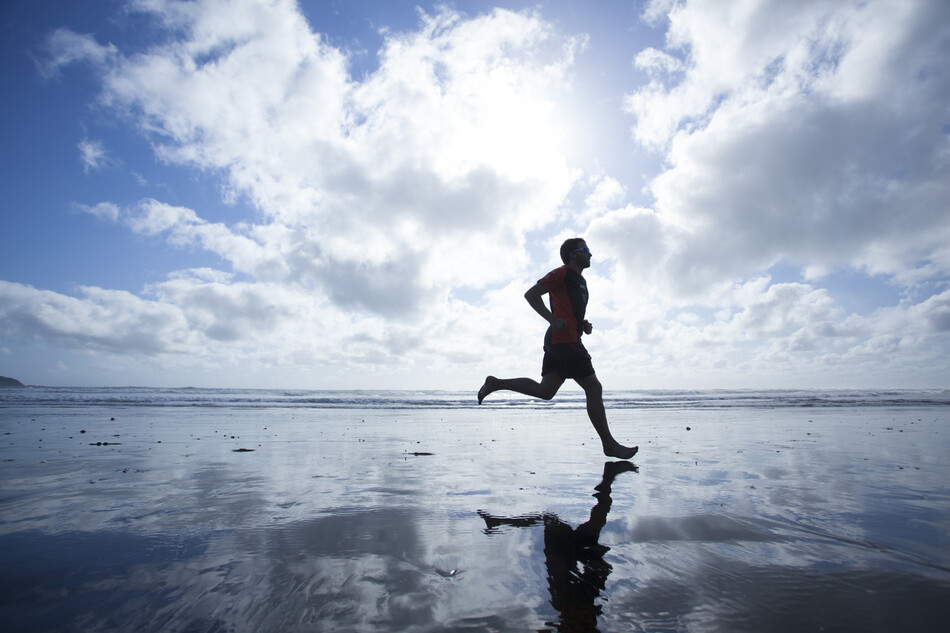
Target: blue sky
{"type": "Point", "coordinates": [268, 193]}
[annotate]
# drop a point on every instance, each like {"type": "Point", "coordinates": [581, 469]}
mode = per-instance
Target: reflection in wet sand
{"type": "Point", "coordinates": [776, 521]}
{"type": "Point", "coordinates": [577, 571]}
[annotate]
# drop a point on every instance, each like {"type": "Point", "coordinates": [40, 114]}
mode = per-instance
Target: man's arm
{"type": "Point", "coordinates": [535, 298]}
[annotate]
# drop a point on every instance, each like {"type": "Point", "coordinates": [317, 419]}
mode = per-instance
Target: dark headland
{"type": "Point", "coordinates": [10, 382]}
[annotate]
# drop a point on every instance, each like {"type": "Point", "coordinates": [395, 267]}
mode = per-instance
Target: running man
{"type": "Point", "coordinates": [564, 354]}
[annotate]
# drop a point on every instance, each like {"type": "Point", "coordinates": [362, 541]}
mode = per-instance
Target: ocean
{"type": "Point", "coordinates": [423, 399]}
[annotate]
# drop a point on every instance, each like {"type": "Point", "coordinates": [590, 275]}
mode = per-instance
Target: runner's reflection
{"type": "Point", "coordinates": [577, 571]}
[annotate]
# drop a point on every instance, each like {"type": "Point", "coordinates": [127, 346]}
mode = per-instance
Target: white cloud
{"type": "Point", "coordinates": [795, 134]}
{"type": "Point", "coordinates": [94, 156]}
{"type": "Point", "coordinates": [446, 154]}
{"type": "Point", "coordinates": [657, 62]}
{"type": "Point", "coordinates": [103, 210]}
{"type": "Point", "coordinates": [65, 47]}
{"type": "Point", "coordinates": [810, 135]}
{"type": "Point", "coordinates": [933, 314]}
{"type": "Point", "coordinates": [106, 320]}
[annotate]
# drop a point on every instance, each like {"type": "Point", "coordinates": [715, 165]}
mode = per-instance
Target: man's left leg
{"type": "Point", "coordinates": [546, 389]}
{"type": "Point", "coordinates": [598, 417]}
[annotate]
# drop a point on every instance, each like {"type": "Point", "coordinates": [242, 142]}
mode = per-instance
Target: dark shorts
{"type": "Point", "coordinates": [569, 360]}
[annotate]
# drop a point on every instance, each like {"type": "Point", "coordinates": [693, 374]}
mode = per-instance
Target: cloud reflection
{"type": "Point", "coordinates": [349, 567]}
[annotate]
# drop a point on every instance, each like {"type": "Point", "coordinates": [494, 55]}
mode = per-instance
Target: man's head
{"type": "Point", "coordinates": [572, 247]}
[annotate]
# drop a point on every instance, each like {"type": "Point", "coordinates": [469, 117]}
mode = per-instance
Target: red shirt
{"type": "Point", "coordinates": [568, 291]}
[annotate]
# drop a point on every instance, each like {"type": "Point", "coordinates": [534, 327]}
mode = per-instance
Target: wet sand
{"type": "Point", "coordinates": [475, 519]}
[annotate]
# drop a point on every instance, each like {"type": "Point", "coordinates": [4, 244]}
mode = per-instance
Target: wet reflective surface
{"type": "Point", "coordinates": [473, 520]}
{"type": "Point", "coordinates": [577, 571]}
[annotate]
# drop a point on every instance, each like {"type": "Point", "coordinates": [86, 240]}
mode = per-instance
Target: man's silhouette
{"type": "Point", "coordinates": [564, 354]}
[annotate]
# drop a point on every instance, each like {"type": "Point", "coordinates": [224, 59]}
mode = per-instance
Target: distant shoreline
{"type": "Point", "coordinates": [37, 396]}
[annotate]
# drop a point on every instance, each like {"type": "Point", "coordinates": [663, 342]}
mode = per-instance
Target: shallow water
{"type": "Point", "coordinates": [830, 519]}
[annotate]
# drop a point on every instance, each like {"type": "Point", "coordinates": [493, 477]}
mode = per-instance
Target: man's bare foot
{"type": "Point", "coordinates": [620, 451]}
{"type": "Point", "coordinates": [490, 385]}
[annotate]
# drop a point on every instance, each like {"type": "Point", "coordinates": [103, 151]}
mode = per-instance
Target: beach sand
{"type": "Point", "coordinates": [489, 519]}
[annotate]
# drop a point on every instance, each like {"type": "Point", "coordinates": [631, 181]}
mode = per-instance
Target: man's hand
{"type": "Point", "coordinates": [588, 328]}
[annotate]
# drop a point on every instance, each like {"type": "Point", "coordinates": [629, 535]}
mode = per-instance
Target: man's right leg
{"type": "Point", "coordinates": [594, 392]}
{"type": "Point", "coordinates": [546, 389]}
